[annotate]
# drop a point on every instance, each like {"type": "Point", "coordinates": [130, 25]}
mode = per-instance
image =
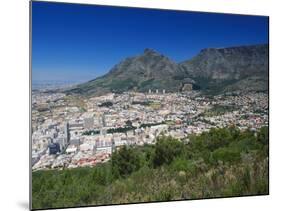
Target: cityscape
{"type": "Point", "coordinates": [71, 132]}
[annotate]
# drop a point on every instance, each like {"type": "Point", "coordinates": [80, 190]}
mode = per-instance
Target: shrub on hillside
{"type": "Point", "coordinates": [125, 161]}
{"type": "Point", "coordinates": [166, 150]}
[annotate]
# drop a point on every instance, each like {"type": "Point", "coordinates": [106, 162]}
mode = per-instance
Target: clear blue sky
{"type": "Point", "coordinates": [80, 42]}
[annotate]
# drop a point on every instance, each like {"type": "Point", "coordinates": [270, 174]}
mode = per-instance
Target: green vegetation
{"type": "Point", "coordinates": [144, 125]}
{"type": "Point", "coordinates": [77, 101]}
{"type": "Point", "coordinates": [121, 129]}
{"type": "Point", "coordinates": [71, 187]}
{"type": "Point", "coordinates": [43, 109]}
{"type": "Point", "coordinates": [219, 163]}
{"type": "Point", "coordinates": [155, 105]}
{"type": "Point", "coordinates": [111, 130]}
{"type": "Point", "coordinates": [219, 110]}
{"type": "Point", "coordinates": [144, 103]}
{"type": "Point", "coordinates": [166, 150]}
{"type": "Point", "coordinates": [91, 132]}
{"type": "Point", "coordinates": [106, 104]}
{"type": "Point", "coordinates": [261, 111]}
{"type": "Point", "coordinates": [147, 83]}
{"type": "Point", "coordinates": [125, 162]}
{"type": "Point", "coordinates": [129, 123]}
{"type": "Point", "coordinates": [147, 103]}
{"type": "Point", "coordinates": [128, 127]}
{"type": "Point", "coordinates": [119, 86]}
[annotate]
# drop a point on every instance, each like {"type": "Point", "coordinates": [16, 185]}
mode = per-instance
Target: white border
{"type": "Point", "coordinates": [14, 133]}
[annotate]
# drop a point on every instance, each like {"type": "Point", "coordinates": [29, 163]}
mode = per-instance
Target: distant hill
{"type": "Point", "coordinates": [213, 70]}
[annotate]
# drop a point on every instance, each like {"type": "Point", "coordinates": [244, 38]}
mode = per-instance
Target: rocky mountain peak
{"type": "Point", "coordinates": [150, 51]}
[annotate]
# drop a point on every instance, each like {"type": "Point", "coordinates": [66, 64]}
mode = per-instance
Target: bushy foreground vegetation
{"type": "Point", "coordinates": [219, 163]}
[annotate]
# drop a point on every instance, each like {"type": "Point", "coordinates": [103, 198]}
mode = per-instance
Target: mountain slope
{"type": "Point", "coordinates": [228, 67]}
{"type": "Point", "coordinates": [150, 70]}
{"type": "Point", "coordinates": [213, 69]}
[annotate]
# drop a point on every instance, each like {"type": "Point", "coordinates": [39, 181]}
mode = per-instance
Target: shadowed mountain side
{"type": "Point", "coordinates": [235, 68]}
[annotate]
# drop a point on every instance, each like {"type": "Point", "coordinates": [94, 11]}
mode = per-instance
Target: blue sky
{"type": "Point", "coordinates": [73, 42]}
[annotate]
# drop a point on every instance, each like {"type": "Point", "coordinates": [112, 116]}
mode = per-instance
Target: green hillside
{"type": "Point", "coordinates": [220, 163]}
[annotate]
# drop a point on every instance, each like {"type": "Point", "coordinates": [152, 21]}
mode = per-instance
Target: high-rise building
{"type": "Point", "coordinates": [103, 121]}
{"type": "Point", "coordinates": [62, 143]}
{"type": "Point", "coordinates": [54, 148]}
{"type": "Point", "coordinates": [66, 132]}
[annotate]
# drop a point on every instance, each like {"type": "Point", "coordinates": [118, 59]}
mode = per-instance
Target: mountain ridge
{"type": "Point", "coordinates": [211, 69]}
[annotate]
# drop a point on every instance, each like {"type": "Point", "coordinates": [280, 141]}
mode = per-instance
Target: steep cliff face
{"type": "Point", "coordinates": [230, 68]}
{"type": "Point", "coordinates": [228, 63]}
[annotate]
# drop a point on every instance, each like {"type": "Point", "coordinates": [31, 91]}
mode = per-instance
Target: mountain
{"type": "Point", "coordinates": [234, 68]}
{"type": "Point", "coordinates": [212, 70]}
{"type": "Point", "coordinates": [151, 70]}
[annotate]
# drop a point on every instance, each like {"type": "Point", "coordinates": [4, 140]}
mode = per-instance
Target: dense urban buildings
{"type": "Point", "coordinates": [71, 131]}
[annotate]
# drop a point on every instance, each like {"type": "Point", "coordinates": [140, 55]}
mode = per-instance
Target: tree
{"type": "Point", "coordinates": [166, 149]}
{"type": "Point", "coordinates": [125, 161]}
{"type": "Point", "coordinates": [229, 155]}
{"type": "Point", "coordinates": [129, 123]}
